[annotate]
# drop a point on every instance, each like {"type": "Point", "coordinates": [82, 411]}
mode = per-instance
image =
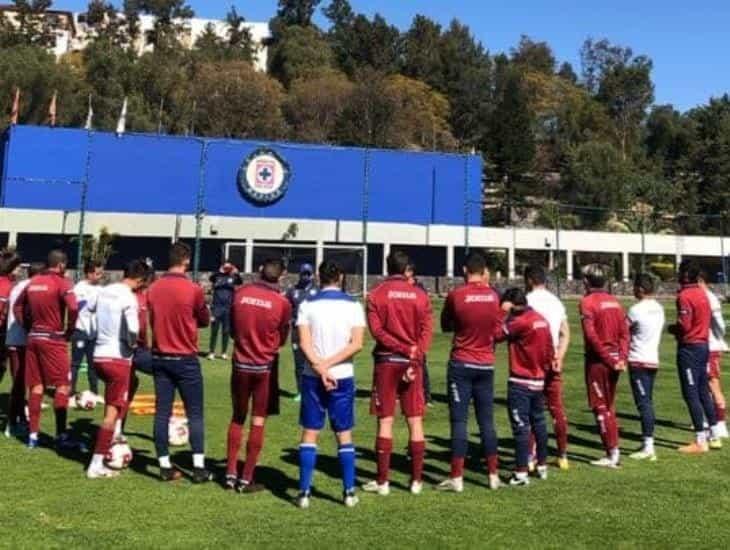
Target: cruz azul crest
{"type": "Point", "coordinates": [264, 176]}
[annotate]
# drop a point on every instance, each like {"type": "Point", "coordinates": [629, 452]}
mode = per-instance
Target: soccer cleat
{"type": "Point", "coordinates": [715, 444]}
{"type": "Point", "coordinates": [605, 462]}
{"type": "Point", "coordinates": [451, 484]}
{"type": "Point", "coordinates": [33, 442]}
{"type": "Point", "coordinates": [201, 475]}
{"type": "Point", "coordinates": [100, 473]}
{"type": "Point", "coordinates": [302, 500]}
{"type": "Point", "coordinates": [65, 442]}
{"type": "Point", "coordinates": [99, 399]}
{"type": "Point", "coordinates": [563, 463]}
{"type": "Point", "coordinates": [248, 488]}
{"type": "Point", "coordinates": [8, 432]}
{"type": "Point", "coordinates": [494, 482]}
{"type": "Point", "coordinates": [224, 357]}
{"type": "Point", "coordinates": [170, 474]}
{"type": "Point", "coordinates": [350, 499]}
{"type": "Point", "coordinates": [531, 465]}
{"type": "Point", "coordinates": [230, 483]}
{"type": "Point", "coordinates": [211, 356]}
{"type": "Point", "coordinates": [542, 472]}
{"type": "Point", "coordinates": [643, 454]}
{"type": "Point", "coordinates": [383, 489]}
{"type": "Point", "coordinates": [416, 487]}
{"type": "Point", "coordinates": [297, 398]}
{"type": "Point", "coordinates": [519, 480]}
{"type": "Point", "coordinates": [694, 449]}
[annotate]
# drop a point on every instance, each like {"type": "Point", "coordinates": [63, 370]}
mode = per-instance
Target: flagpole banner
{"type": "Point", "coordinates": [122, 123]}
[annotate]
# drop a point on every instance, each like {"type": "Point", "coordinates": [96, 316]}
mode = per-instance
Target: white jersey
{"type": "Point", "coordinates": [116, 318]}
{"type": "Point", "coordinates": [646, 318]}
{"type": "Point", "coordinates": [86, 295]}
{"type": "Point", "coordinates": [551, 308]}
{"type": "Point", "coordinates": [331, 315]}
{"type": "Point", "coordinates": [717, 326]}
{"type": "Point", "coordinates": [16, 335]}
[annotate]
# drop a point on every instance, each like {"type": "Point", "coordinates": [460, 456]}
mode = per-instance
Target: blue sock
{"type": "Point", "coordinates": [307, 462]}
{"type": "Point", "coordinates": [347, 461]}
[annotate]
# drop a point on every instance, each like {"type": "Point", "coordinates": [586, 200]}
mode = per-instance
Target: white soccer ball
{"type": "Point", "coordinates": [119, 456]}
{"type": "Point", "coordinates": [179, 433]}
{"type": "Point", "coordinates": [86, 401]}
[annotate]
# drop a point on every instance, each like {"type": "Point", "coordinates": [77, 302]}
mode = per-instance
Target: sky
{"type": "Point", "coordinates": [688, 41]}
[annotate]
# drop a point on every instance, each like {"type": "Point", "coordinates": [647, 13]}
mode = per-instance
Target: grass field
{"type": "Point", "coordinates": [45, 501]}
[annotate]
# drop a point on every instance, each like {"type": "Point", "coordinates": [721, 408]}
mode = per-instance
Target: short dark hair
{"type": "Point", "coordinates": [9, 260]}
{"type": "Point", "coordinates": [535, 274]}
{"type": "Point", "coordinates": [136, 269]}
{"type": "Point", "coordinates": [645, 282]}
{"type": "Point", "coordinates": [56, 257]}
{"type": "Point", "coordinates": [516, 296]}
{"type": "Point", "coordinates": [272, 269]}
{"type": "Point", "coordinates": [179, 253]}
{"type": "Point", "coordinates": [398, 262]}
{"type": "Point", "coordinates": [329, 272]}
{"type": "Point", "coordinates": [35, 268]}
{"type": "Point", "coordinates": [689, 271]}
{"type": "Point", "coordinates": [475, 263]}
{"type": "Point", "coordinates": [92, 265]}
{"type": "Point", "coordinates": [595, 275]}
{"type": "Point", "coordinates": [704, 275]}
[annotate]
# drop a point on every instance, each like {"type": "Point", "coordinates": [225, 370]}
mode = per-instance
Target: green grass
{"type": "Point", "coordinates": [45, 501]}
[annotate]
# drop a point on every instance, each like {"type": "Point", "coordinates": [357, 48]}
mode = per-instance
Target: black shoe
{"type": "Point", "coordinates": [248, 488]}
{"type": "Point", "coordinates": [201, 475]}
{"type": "Point", "coordinates": [230, 483]}
{"type": "Point", "coordinates": [170, 474]}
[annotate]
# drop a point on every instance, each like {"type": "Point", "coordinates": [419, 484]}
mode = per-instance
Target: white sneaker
{"type": "Point", "coordinates": [224, 357]}
{"type": "Point", "coordinates": [72, 402]}
{"type": "Point", "coordinates": [374, 487]}
{"type": "Point", "coordinates": [519, 480]}
{"type": "Point", "coordinates": [350, 499]}
{"type": "Point", "coordinates": [721, 430]}
{"type": "Point", "coordinates": [211, 356]}
{"type": "Point", "coordinates": [100, 473]}
{"type": "Point", "coordinates": [303, 501]}
{"type": "Point", "coordinates": [643, 454]}
{"type": "Point", "coordinates": [451, 484]}
{"type": "Point", "coordinates": [99, 399]}
{"type": "Point", "coordinates": [494, 482]}
{"type": "Point", "coordinates": [542, 472]}
{"type": "Point", "coordinates": [604, 462]}
{"type": "Point", "coordinates": [416, 487]}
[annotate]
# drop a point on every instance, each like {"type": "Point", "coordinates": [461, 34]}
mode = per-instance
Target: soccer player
{"type": "Point", "coordinates": [332, 327]}
{"type": "Point", "coordinates": [692, 331]}
{"type": "Point", "coordinates": [84, 336]}
{"type": "Point", "coordinates": [472, 312]}
{"type": "Point", "coordinates": [48, 309]}
{"type": "Point", "coordinates": [606, 341]}
{"type": "Point", "coordinates": [177, 310]}
{"type": "Point", "coordinates": [531, 356]}
{"type": "Point", "coordinates": [16, 340]}
{"type": "Point", "coordinates": [411, 276]}
{"type": "Point", "coordinates": [718, 346]}
{"type": "Point", "coordinates": [646, 324]}
{"type": "Point", "coordinates": [9, 268]}
{"type": "Point", "coordinates": [116, 314]}
{"type": "Point", "coordinates": [399, 317]}
{"type": "Point", "coordinates": [224, 284]}
{"type": "Point", "coordinates": [260, 317]}
{"type": "Point", "coordinates": [304, 289]}
{"type": "Point", "coordinates": [552, 309]}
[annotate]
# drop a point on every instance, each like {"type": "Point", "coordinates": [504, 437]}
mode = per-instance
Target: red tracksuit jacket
{"type": "Point", "coordinates": [45, 303]}
{"type": "Point", "coordinates": [6, 286]}
{"type": "Point", "coordinates": [605, 330]}
{"type": "Point", "coordinates": [177, 309]}
{"type": "Point", "coordinates": [399, 317]}
{"type": "Point", "coordinates": [260, 320]}
{"type": "Point", "coordinates": [531, 350]}
{"type": "Point", "coordinates": [473, 314]}
{"type": "Point", "coordinates": [694, 315]}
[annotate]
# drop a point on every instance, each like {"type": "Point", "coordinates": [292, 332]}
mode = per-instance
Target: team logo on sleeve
{"type": "Point", "coordinates": [264, 177]}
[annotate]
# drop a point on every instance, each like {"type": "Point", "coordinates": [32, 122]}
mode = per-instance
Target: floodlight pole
{"type": "Point", "coordinates": [82, 207]}
{"type": "Point", "coordinates": [199, 209]}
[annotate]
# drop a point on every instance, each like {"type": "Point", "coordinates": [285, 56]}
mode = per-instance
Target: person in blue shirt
{"type": "Point", "coordinates": [303, 290]}
{"type": "Point", "coordinates": [224, 282]}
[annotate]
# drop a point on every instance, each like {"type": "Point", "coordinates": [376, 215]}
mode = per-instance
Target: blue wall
{"type": "Point", "coordinates": [44, 168]}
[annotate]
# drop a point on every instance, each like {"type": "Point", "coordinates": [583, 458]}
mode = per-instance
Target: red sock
{"type": "Point", "coordinates": [611, 432]}
{"type": "Point", "coordinates": [457, 466]}
{"type": "Point", "coordinates": [235, 432]}
{"type": "Point", "coordinates": [383, 448]}
{"type": "Point", "coordinates": [492, 464]}
{"type": "Point", "coordinates": [720, 411]}
{"type": "Point", "coordinates": [418, 452]}
{"type": "Point", "coordinates": [103, 441]}
{"type": "Point", "coordinates": [34, 411]}
{"type": "Point", "coordinates": [253, 448]}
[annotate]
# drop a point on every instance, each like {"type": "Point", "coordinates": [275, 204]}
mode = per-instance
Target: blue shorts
{"type": "Point", "coordinates": [317, 403]}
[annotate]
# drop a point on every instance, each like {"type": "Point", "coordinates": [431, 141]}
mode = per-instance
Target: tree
{"type": "Point", "coordinates": [422, 52]}
{"type": "Point", "coordinates": [598, 58]}
{"type": "Point", "coordinates": [31, 28]}
{"type": "Point", "coordinates": [300, 52]}
{"type": "Point", "coordinates": [566, 72]}
{"type": "Point", "coordinates": [533, 56]}
{"type": "Point", "coordinates": [167, 14]}
{"type": "Point", "coordinates": [297, 12]}
{"type": "Point", "coordinates": [237, 45]}
{"type": "Point", "coordinates": [670, 137]}
{"type": "Point", "coordinates": [341, 17]}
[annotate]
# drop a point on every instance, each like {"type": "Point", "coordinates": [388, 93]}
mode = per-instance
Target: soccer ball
{"type": "Point", "coordinates": [178, 433]}
{"type": "Point", "coordinates": [86, 401]}
{"type": "Point", "coordinates": [119, 456]}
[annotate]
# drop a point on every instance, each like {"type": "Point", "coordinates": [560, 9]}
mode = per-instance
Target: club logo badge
{"type": "Point", "coordinates": [264, 177]}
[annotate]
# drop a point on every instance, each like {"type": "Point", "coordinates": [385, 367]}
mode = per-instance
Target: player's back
{"type": "Point", "coordinates": [646, 319]}
{"type": "Point", "coordinates": [45, 303]}
{"type": "Point", "coordinates": [551, 308]}
{"type": "Point", "coordinates": [260, 318]}
{"type": "Point", "coordinates": [472, 311]}
{"type": "Point", "coordinates": [399, 315]}
{"type": "Point", "coordinates": [115, 305]}
{"type": "Point", "coordinates": [16, 334]}
{"type": "Point", "coordinates": [531, 349]}
{"type": "Point", "coordinates": [607, 317]}
{"type": "Point", "coordinates": [694, 315]}
{"type": "Point", "coordinates": [86, 295]}
{"type": "Point", "coordinates": [717, 323]}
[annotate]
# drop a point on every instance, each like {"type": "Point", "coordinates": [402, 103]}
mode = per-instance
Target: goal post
{"type": "Point", "coordinates": [352, 258]}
